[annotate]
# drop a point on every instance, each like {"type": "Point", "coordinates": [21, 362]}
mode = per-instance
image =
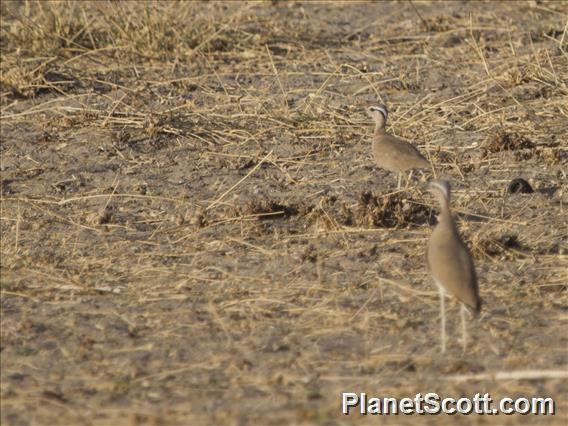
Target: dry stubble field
{"type": "Point", "coordinates": [194, 231]}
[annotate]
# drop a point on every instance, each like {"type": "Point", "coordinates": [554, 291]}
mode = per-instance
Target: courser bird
{"type": "Point", "coordinates": [390, 152]}
{"type": "Point", "coordinates": [450, 262]}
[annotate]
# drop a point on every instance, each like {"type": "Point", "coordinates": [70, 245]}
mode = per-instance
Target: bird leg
{"type": "Point", "coordinates": [408, 179]}
{"type": "Point", "coordinates": [464, 328]}
{"type": "Point", "coordinates": [399, 180]}
{"type": "Point", "coordinates": [443, 317]}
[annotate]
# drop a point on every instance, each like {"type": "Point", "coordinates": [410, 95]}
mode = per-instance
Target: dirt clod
{"type": "Point", "coordinates": [519, 186]}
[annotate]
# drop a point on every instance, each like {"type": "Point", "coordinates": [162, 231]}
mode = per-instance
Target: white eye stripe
{"type": "Point", "coordinates": [381, 110]}
{"type": "Point", "coordinates": [444, 188]}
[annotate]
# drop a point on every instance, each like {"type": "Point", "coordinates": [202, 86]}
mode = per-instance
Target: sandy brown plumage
{"type": "Point", "coordinates": [449, 260]}
{"type": "Point", "coordinates": [451, 264]}
{"type": "Point", "coordinates": [391, 153]}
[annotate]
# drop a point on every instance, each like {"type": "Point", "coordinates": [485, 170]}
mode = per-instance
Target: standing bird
{"type": "Point", "coordinates": [450, 262]}
{"type": "Point", "coordinates": [390, 152]}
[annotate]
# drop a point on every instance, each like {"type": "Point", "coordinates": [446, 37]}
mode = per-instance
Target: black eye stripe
{"type": "Point", "coordinates": [382, 110]}
{"type": "Point", "coordinates": [443, 187]}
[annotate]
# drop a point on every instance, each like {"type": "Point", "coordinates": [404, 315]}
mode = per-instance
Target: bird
{"type": "Point", "coordinates": [450, 262]}
{"type": "Point", "coordinates": [390, 152]}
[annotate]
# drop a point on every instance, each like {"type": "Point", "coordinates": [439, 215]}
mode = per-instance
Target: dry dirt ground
{"type": "Point", "coordinates": [194, 231]}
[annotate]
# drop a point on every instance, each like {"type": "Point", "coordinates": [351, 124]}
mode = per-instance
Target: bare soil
{"type": "Point", "coordinates": [194, 232]}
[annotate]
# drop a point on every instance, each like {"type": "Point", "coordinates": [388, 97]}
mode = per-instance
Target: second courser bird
{"type": "Point", "coordinates": [391, 153]}
{"type": "Point", "coordinates": [450, 262]}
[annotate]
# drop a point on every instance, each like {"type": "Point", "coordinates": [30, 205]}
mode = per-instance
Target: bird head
{"type": "Point", "coordinates": [379, 114]}
{"type": "Point", "coordinates": [441, 190]}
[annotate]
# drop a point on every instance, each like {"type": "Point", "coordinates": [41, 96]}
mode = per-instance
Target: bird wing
{"type": "Point", "coordinates": [451, 266]}
{"type": "Point", "coordinates": [402, 154]}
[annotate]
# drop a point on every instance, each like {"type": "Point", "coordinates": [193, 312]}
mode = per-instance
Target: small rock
{"type": "Point", "coordinates": [519, 186]}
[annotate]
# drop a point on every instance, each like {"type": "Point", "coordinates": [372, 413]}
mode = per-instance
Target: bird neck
{"type": "Point", "coordinates": [379, 129]}
{"type": "Point", "coordinates": [445, 214]}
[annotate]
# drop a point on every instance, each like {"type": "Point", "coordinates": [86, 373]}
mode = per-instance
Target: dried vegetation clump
{"type": "Point", "coordinates": [264, 208]}
{"type": "Point", "coordinates": [389, 211]}
{"type": "Point", "coordinates": [502, 140]}
{"type": "Point", "coordinates": [506, 246]}
{"type": "Point", "coordinates": [550, 155]}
